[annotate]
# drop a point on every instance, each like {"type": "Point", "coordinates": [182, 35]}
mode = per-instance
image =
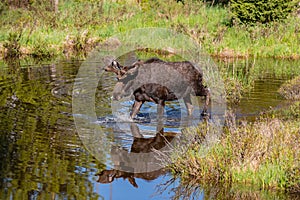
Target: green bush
{"type": "Point", "coordinates": [261, 11]}
{"type": "Point", "coordinates": [217, 2]}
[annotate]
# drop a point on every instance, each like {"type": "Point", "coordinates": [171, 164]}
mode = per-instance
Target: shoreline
{"type": "Point", "coordinates": [31, 33]}
{"type": "Point", "coordinates": [226, 55]}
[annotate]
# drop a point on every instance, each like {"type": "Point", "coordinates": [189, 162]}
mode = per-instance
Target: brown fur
{"type": "Point", "coordinates": [153, 92]}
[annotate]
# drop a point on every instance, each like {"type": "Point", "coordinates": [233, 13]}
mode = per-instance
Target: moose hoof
{"type": "Point", "coordinates": [204, 114]}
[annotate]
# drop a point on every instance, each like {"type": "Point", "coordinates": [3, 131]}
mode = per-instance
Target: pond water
{"type": "Point", "coordinates": [43, 156]}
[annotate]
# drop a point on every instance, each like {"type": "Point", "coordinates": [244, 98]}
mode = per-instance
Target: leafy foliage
{"type": "Point", "coordinates": [262, 11]}
{"type": "Point", "coordinates": [218, 2]}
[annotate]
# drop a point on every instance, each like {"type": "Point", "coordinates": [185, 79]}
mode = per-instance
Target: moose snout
{"type": "Point", "coordinates": [118, 92]}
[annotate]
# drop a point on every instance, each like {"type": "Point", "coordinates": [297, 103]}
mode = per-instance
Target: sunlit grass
{"type": "Point", "coordinates": [208, 25]}
{"type": "Point", "coordinates": [263, 154]}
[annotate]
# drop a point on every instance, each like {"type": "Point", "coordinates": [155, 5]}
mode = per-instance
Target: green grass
{"type": "Point", "coordinates": [205, 24]}
{"type": "Point", "coordinates": [239, 75]}
{"type": "Point", "coordinates": [263, 154]}
{"type": "Point", "coordinates": [80, 26]}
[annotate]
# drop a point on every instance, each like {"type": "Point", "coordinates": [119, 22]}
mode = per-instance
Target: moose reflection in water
{"type": "Point", "coordinates": [108, 176]}
{"type": "Point", "coordinates": [157, 81]}
{"type": "Point", "coordinates": [124, 164]}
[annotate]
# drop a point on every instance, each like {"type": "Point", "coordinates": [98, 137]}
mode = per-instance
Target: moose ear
{"type": "Point", "coordinates": [116, 65]}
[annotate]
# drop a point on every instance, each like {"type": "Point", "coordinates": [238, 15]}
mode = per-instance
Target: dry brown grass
{"type": "Point", "coordinates": [291, 89]}
{"type": "Point", "coordinates": [264, 153]}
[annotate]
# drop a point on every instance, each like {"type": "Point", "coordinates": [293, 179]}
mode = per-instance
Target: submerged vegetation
{"type": "Point", "coordinates": [263, 154]}
{"type": "Point", "coordinates": [76, 27]}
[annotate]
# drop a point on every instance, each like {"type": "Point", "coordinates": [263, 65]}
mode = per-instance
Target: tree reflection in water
{"type": "Point", "coordinates": [41, 156]}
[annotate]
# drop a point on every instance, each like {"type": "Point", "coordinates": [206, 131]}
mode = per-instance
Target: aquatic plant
{"type": "Point", "coordinates": [41, 50]}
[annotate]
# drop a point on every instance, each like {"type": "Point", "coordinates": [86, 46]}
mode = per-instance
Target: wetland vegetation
{"type": "Point", "coordinates": [261, 153]}
{"type": "Point", "coordinates": [35, 29]}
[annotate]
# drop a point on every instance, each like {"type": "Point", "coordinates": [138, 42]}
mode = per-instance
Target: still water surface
{"type": "Point", "coordinates": [42, 156]}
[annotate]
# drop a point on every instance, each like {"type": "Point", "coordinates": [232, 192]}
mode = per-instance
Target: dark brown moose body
{"type": "Point", "coordinates": [158, 81]}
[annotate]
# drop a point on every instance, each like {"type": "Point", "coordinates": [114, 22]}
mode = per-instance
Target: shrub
{"type": "Point", "coordinates": [217, 2]}
{"type": "Point", "coordinates": [262, 11]}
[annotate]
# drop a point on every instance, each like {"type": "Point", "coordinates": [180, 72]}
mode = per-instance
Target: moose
{"type": "Point", "coordinates": [158, 81]}
{"type": "Point", "coordinates": [139, 145]}
{"type": "Point", "coordinates": [108, 176]}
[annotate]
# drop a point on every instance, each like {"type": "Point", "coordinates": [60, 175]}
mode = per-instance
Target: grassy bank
{"type": "Point", "coordinates": [263, 154]}
{"type": "Point", "coordinates": [80, 26]}
{"type": "Point", "coordinates": [291, 89]}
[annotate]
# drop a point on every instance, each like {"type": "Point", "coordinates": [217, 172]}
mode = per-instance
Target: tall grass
{"type": "Point", "coordinates": [291, 89]}
{"type": "Point", "coordinates": [208, 25]}
{"type": "Point", "coordinates": [12, 46]}
{"type": "Point", "coordinates": [263, 154]}
{"type": "Point", "coordinates": [240, 74]}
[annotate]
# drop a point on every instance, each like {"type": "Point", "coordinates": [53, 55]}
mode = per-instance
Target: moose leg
{"type": "Point", "coordinates": [188, 104]}
{"type": "Point", "coordinates": [160, 114]}
{"type": "Point", "coordinates": [135, 130]}
{"type": "Point", "coordinates": [207, 98]}
{"type": "Point", "coordinates": [136, 108]}
{"type": "Point", "coordinates": [160, 108]}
